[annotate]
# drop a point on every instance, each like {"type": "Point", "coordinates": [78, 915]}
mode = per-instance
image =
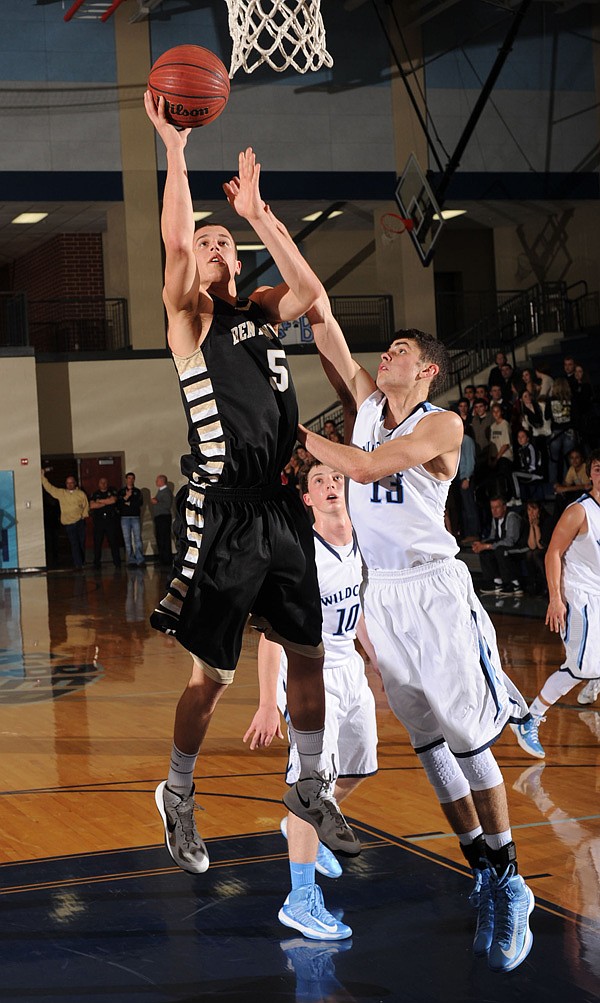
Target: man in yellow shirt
{"type": "Point", "coordinates": [74, 510]}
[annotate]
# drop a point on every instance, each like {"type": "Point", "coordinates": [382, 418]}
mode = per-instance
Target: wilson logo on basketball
{"type": "Point", "coordinates": [179, 109]}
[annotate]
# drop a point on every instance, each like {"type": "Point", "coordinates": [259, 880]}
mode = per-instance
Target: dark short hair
{"type": "Point", "coordinates": [431, 349]}
{"type": "Point", "coordinates": [594, 457]}
{"type": "Point", "coordinates": [305, 471]}
{"type": "Point", "coordinates": [129, 473]}
{"type": "Point", "coordinates": [470, 386]}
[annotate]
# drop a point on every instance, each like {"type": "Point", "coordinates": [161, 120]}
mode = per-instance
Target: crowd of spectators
{"type": "Point", "coordinates": [527, 435]}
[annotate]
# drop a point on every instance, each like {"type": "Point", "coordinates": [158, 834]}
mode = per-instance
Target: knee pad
{"type": "Point", "coordinates": [444, 774]}
{"type": "Point", "coordinates": [481, 771]}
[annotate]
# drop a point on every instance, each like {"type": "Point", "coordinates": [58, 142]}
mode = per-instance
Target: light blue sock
{"type": "Point", "coordinates": [302, 874]}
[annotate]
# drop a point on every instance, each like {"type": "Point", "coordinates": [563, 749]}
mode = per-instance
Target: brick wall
{"type": "Point", "coordinates": [68, 266]}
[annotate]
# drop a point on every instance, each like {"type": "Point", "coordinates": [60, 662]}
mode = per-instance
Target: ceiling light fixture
{"type": "Point", "coordinates": [251, 247]}
{"type": "Point", "coordinates": [202, 215]}
{"type": "Point", "coordinates": [450, 213]}
{"type": "Point", "coordinates": [316, 215]}
{"type": "Point", "coordinates": [29, 217]}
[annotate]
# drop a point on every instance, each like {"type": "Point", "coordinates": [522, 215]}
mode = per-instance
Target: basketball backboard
{"type": "Point", "coordinates": [417, 203]}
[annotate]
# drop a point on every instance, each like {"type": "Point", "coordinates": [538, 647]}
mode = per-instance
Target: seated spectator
{"type": "Point", "coordinates": [539, 530]}
{"type": "Point", "coordinates": [498, 565]}
{"type": "Point", "coordinates": [335, 437]}
{"type": "Point", "coordinates": [481, 393]}
{"type": "Point", "coordinates": [500, 456]}
{"type": "Point", "coordinates": [528, 464]}
{"type": "Point", "coordinates": [329, 426]}
{"type": "Point", "coordinates": [568, 373]}
{"type": "Point", "coordinates": [558, 409]}
{"type": "Point", "coordinates": [533, 420]}
{"type": "Point", "coordinates": [575, 483]}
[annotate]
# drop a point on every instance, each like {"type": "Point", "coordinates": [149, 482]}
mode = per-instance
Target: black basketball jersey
{"type": "Point", "coordinates": [239, 400]}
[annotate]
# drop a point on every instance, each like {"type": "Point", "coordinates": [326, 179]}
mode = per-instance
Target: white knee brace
{"type": "Point", "coordinates": [444, 774]}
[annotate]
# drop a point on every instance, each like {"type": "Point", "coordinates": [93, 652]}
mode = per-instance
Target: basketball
{"type": "Point", "coordinates": [193, 82]}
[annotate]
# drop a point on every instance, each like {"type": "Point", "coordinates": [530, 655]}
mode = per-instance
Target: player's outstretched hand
{"type": "Point", "coordinates": [264, 727]}
{"type": "Point", "coordinates": [243, 192]}
{"type": "Point", "coordinates": [172, 137]}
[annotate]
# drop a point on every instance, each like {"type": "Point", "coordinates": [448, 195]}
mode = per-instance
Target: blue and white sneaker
{"type": "Point", "coordinates": [482, 899]}
{"type": "Point", "coordinates": [304, 910]}
{"type": "Point", "coordinates": [513, 905]}
{"type": "Point", "coordinates": [326, 863]}
{"type": "Point", "coordinates": [528, 738]}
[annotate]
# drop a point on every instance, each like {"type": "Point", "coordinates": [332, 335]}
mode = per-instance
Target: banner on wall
{"type": "Point", "coordinates": [8, 521]}
{"type": "Point", "coordinates": [295, 332]}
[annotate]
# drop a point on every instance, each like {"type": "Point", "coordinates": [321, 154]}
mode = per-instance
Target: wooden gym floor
{"type": "Point", "coordinates": [94, 910]}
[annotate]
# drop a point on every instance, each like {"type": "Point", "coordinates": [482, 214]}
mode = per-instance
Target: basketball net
{"type": "Point", "coordinates": [392, 225]}
{"type": "Point", "coordinates": [281, 33]}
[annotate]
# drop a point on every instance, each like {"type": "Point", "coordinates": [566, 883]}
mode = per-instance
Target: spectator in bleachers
{"type": "Point", "coordinates": [469, 395]}
{"type": "Point", "coordinates": [480, 429]}
{"type": "Point", "coordinates": [462, 409]}
{"type": "Point", "coordinates": [562, 435]}
{"type": "Point", "coordinates": [495, 374]}
{"type": "Point", "coordinates": [539, 524]}
{"type": "Point", "coordinates": [542, 373]}
{"type": "Point", "coordinates": [329, 426]}
{"type": "Point", "coordinates": [528, 465]}
{"type": "Point", "coordinates": [575, 482]}
{"type": "Point", "coordinates": [510, 382]}
{"type": "Point", "coordinates": [497, 398]}
{"type": "Point", "coordinates": [482, 393]}
{"type": "Point", "coordinates": [469, 516]}
{"type": "Point", "coordinates": [582, 402]}
{"type": "Point", "coordinates": [532, 419]}
{"type": "Point", "coordinates": [498, 564]}
{"type": "Point", "coordinates": [529, 382]}
{"type": "Point", "coordinates": [500, 457]}
{"type": "Point", "coordinates": [569, 370]}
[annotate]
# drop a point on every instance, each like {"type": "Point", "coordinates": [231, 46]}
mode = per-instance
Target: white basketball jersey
{"type": "Point", "coordinates": [340, 580]}
{"type": "Point", "coordinates": [582, 557]}
{"type": "Point", "coordinates": [399, 520]}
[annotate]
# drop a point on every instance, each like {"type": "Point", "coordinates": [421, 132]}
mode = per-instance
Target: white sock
{"type": "Point", "coordinates": [465, 838]}
{"type": "Point", "coordinates": [498, 839]}
{"type": "Point", "coordinates": [310, 750]}
{"type": "Point", "coordinates": [181, 772]}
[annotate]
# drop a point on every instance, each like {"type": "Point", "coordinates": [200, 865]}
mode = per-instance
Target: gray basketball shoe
{"type": "Point", "coordinates": [311, 800]}
{"type": "Point", "coordinates": [181, 836]}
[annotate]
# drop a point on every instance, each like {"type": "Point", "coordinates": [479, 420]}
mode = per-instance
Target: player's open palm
{"type": "Point", "coordinates": [243, 192]}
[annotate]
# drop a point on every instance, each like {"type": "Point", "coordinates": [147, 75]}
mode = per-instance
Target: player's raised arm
{"type": "Point", "coordinates": [352, 383]}
{"type": "Point", "coordinates": [300, 287]}
{"type": "Point", "coordinates": [182, 285]}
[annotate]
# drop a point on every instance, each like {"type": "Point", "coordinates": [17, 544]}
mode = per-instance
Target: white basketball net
{"type": "Point", "coordinates": [281, 33]}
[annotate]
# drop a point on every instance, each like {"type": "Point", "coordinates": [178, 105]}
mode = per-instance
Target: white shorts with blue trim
{"type": "Point", "coordinates": [581, 636]}
{"type": "Point", "coordinates": [350, 741]}
{"type": "Point", "coordinates": [437, 654]}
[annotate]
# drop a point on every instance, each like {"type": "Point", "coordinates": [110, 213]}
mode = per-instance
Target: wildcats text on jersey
{"type": "Point", "coordinates": [346, 593]}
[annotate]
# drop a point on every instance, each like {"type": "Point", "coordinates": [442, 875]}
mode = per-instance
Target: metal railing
{"type": "Point", "coordinates": [64, 325]}
{"type": "Point", "coordinates": [367, 321]}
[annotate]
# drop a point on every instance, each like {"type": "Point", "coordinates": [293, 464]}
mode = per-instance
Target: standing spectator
{"type": "Point", "coordinates": [469, 396]}
{"type": "Point", "coordinates": [528, 464]}
{"type": "Point", "coordinates": [538, 538]}
{"type": "Point", "coordinates": [462, 408]}
{"type": "Point", "coordinates": [129, 503]}
{"type": "Point", "coordinates": [569, 366]}
{"type": "Point", "coordinates": [74, 510]}
{"type": "Point", "coordinates": [329, 426]}
{"type": "Point", "coordinates": [105, 517]}
{"type": "Point", "coordinates": [466, 468]}
{"type": "Point", "coordinates": [533, 420]}
{"type": "Point", "coordinates": [481, 393]}
{"type": "Point", "coordinates": [511, 382]}
{"type": "Point", "coordinates": [495, 374]}
{"type": "Point", "coordinates": [562, 434]}
{"type": "Point", "coordinates": [500, 459]}
{"type": "Point", "coordinates": [581, 403]}
{"type": "Point", "coordinates": [162, 504]}
{"type": "Point", "coordinates": [542, 373]}
{"type": "Point", "coordinates": [496, 397]}
{"type": "Point", "coordinates": [498, 565]}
